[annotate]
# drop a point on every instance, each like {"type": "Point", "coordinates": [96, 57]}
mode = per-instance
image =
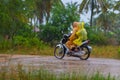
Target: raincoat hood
{"type": "Point", "coordinates": [81, 34]}
{"type": "Point", "coordinates": [81, 25]}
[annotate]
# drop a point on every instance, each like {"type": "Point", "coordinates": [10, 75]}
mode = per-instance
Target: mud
{"type": "Point", "coordinates": [66, 65]}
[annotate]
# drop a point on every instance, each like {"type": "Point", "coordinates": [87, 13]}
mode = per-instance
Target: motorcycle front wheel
{"type": "Point", "coordinates": [59, 51]}
{"type": "Point", "coordinates": [86, 54]}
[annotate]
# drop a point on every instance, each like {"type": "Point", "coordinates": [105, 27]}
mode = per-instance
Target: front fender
{"type": "Point", "coordinates": [59, 45]}
{"type": "Point", "coordinates": [62, 46]}
{"type": "Point", "coordinates": [90, 48]}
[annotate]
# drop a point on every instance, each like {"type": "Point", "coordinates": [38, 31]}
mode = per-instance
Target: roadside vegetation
{"type": "Point", "coordinates": [33, 27]}
{"type": "Point", "coordinates": [41, 24]}
{"type": "Point", "coordinates": [19, 73]}
{"type": "Point", "coordinates": [100, 51]}
{"type": "Point", "coordinates": [19, 35]}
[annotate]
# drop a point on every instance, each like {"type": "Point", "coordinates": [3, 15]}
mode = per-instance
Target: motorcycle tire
{"type": "Point", "coordinates": [87, 53]}
{"type": "Point", "coordinates": [59, 51]}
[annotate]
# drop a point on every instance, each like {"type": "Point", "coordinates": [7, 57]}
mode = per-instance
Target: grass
{"type": "Point", "coordinates": [97, 51]}
{"type": "Point", "coordinates": [29, 51]}
{"type": "Point", "coordinates": [106, 52]}
{"type": "Point", "coordinates": [19, 73]}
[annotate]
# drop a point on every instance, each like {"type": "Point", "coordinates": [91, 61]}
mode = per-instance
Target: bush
{"type": "Point", "coordinates": [117, 32]}
{"type": "Point", "coordinates": [5, 44]}
{"type": "Point", "coordinates": [50, 34]}
{"type": "Point", "coordinates": [34, 41]}
{"type": "Point", "coordinates": [20, 41]}
{"type": "Point", "coordinates": [119, 53]}
{"type": "Point", "coordinates": [96, 35]}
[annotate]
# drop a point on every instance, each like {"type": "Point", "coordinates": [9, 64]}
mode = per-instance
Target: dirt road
{"type": "Point", "coordinates": [68, 64]}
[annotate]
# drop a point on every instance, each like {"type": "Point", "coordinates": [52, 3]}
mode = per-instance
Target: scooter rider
{"type": "Point", "coordinates": [79, 34]}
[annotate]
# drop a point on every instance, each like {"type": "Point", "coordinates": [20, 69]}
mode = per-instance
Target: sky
{"type": "Point", "coordinates": [85, 17]}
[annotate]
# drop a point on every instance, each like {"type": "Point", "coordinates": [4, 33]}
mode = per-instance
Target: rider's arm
{"type": "Point", "coordinates": [73, 35]}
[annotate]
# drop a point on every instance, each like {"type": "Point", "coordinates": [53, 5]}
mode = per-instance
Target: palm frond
{"type": "Point", "coordinates": [82, 5]}
{"type": "Point", "coordinates": [87, 6]}
{"type": "Point", "coordinates": [104, 5]}
{"type": "Point", "coordinates": [117, 6]}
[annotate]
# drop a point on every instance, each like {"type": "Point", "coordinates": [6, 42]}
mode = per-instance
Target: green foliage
{"type": "Point", "coordinates": [12, 17]}
{"type": "Point", "coordinates": [50, 33]}
{"type": "Point", "coordinates": [19, 73]}
{"type": "Point", "coordinates": [97, 36]}
{"type": "Point", "coordinates": [118, 52]}
{"type": "Point", "coordinates": [26, 31]}
{"type": "Point", "coordinates": [107, 21]}
{"type": "Point", "coordinates": [60, 21]}
{"type": "Point", "coordinates": [21, 41]}
{"type": "Point", "coordinates": [98, 76]}
{"type": "Point", "coordinates": [28, 42]}
{"type": "Point", "coordinates": [117, 6]}
{"type": "Point", "coordinates": [95, 6]}
{"type": "Point", "coordinates": [18, 17]}
{"type": "Point", "coordinates": [64, 16]}
{"type": "Point", "coordinates": [5, 44]}
{"type": "Point", "coordinates": [117, 33]}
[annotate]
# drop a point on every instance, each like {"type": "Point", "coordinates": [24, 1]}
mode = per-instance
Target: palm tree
{"type": "Point", "coordinates": [106, 21]}
{"type": "Point", "coordinates": [92, 5]}
{"type": "Point", "coordinates": [117, 6]}
{"type": "Point", "coordinates": [43, 8]}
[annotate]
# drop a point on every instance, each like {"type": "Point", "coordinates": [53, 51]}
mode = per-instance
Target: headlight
{"type": "Point", "coordinates": [90, 48]}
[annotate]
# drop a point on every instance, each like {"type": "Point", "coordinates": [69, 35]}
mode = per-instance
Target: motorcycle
{"type": "Point", "coordinates": [83, 51]}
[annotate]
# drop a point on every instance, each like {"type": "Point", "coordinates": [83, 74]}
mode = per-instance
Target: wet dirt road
{"type": "Point", "coordinates": [68, 64]}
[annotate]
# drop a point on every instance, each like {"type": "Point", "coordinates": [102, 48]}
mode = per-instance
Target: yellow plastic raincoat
{"type": "Point", "coordinates": [73, 36]}
{"type": "Point", "coordinates": [81, 35]}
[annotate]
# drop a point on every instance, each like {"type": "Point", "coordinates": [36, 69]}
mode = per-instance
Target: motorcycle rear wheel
{"type": "Point", "coordinates": [59, 51]}
{"type": "Point", "coordinates": [87, 53]}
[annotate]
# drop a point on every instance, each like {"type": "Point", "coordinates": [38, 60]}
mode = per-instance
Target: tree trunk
{"type": "Point", "coordinates": [91, 18]}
